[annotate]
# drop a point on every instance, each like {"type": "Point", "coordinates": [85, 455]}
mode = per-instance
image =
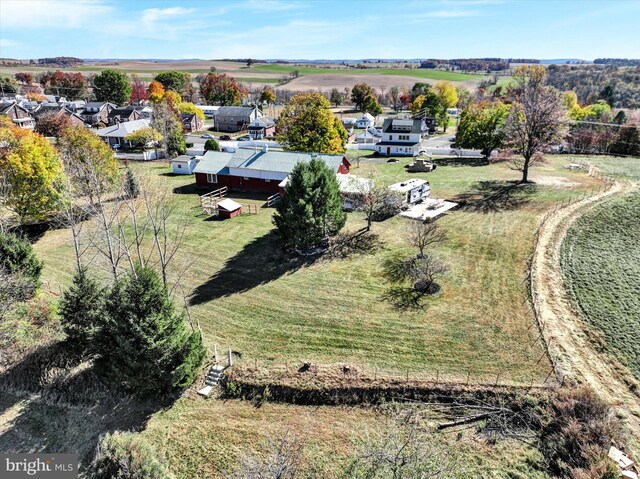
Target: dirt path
{"type": "Point", "coordinates": [563, 329]}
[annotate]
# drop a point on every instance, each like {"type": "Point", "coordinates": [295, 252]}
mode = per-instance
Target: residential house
{"type": "Point", "coordinates": [183, 165]}
{"type": "Point", "coordinates": [235, 118]}
{"type": "Point", "coordinates": [365, 121]}
{"type": "Point", "coordinates": [119, 115]}
{"type": "Point", "coordinates": [96, 112]}
{"type": "Point", "coordinates": [262, 127]}
{"type": "Point", "coordinates": [52, 109]}
{"type": "Point", "coordinates": [256, 170]}
{"type": "Point", "coordinates": [115, 135]}
{"type": "Point", "coordinates": [400, 137]}
{"type": "Point", "coordinates": [19, 115]}
{"type": "Point", "coordinates": [191, 122]}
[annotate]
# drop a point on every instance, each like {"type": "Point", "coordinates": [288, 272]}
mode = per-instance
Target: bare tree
{"type": "Point", "coordinates": [537, 116]}
{"type": "Point", "coordinates": [394, 97]}
{"type": "Point", "coordinates": [282, 461]}
{"type": "Point", "coordinates": [422, 234]}
{"type": "Point", "coordinates": [14, 288]}
{"type": "Point", "coordinates": [404, 448]}
{"type": "Point", "coordinates": [376, 201]}
{"type": "Point", "coordinates": [73, 213]}
{"type": "Point", "coordinates": [420, 272]}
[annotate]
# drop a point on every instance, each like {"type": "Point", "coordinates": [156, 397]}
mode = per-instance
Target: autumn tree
{"type": "Point", "coordinates": [139, 91]}
{"type": "Point", "coordinates": [167, 121]}
{"type": "Point", "coordinates": [371, 105]}
{"type": "Point", "coordinates": [221, 89]}
{"type": "Point", "coordinates": [145, 137]}
{"type": "Point", "coordinates": [52, 124]}
{"type": "Point", "coordinates": [33, 171]}
{"type": "Point", "coordinates": [8, 85]}
{"type": "Point", "coordinates": [156, 91]}
{"type": "Point", "coordinates": [537, 117]}
{"type": "Point", "coordinates": [307, 124]}
{"type": "Point", "coordinates": [186, 107]}
{"type": "Point", "coordinates": [426, 104]}
{"type": "Point", "coordinates": [69, 85]}
{"type": "Point", "coordinates": [394, 97]}
{"type": "Point", "coordinates": [112, 86]}
{"type": "Point", "coordinates": [268, 96]}
{"type": "Point", "coordinates": [336, 97]}
{"type": "Point", "coordinates": [24, 77]}
{"type": "Point", "coordinates": [359, 94]}
{"type": "Point", "coordinates": [464, 97]}
{"type": "Point", "coordinates": [482, 126]}
{"type": "Point", "coordinates": [448, 97]}
{"type": "Point", "coordinates": [311, 209]}
{"type": "Point", "coordinates": [89, 162]}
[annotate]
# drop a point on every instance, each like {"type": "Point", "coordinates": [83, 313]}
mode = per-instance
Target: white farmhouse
{"type": "Point", "coordinates": [400, 137]}
{"type": "Point", "coordinates": [365, 121]}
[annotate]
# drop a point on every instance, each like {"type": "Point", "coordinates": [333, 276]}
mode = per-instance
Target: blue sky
{"type": "Point", "coordinates": [321, 29]}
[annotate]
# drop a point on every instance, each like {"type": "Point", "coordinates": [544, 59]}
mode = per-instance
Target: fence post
{"type": "Point", "coordinates": [215, 353]}
{"type": "Point", "coordinates": [230, 357]}
{"type": "Point", "coordinates": [468, 375]}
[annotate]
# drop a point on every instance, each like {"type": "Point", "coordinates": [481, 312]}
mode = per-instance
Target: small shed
{"type": "Point", "coordinates": [365, 121]}
{"type": "Point", "coordinates": [183, 165]}
{"type": "Point", "coordinates": [228, 208]}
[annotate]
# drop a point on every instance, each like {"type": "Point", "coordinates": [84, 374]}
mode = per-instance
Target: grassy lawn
{"type": "Point", "coordinates": [247, 293]}
{"type": "Point", "coordinates": [414, 72]}
{"type": "Point", "coordinates": [601, 266]}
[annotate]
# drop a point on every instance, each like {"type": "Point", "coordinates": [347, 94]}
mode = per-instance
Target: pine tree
{"type": "Point", "coordinates": [142, 343]}
{"type": "Point", "coordinates": [311, 209]}
{"type": "Point", "coordinates": [131, 186]}
{"type": "Point", "coordinates": [17, 256]}
{"type": "Point", "coordinates": [81, 310]}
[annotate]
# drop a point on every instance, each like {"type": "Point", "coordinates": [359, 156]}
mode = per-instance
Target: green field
{"type": "Point", "coordinates": [269, 307]}
{"type": "Point", "coordinates": [411, 72]}
{"type": "Point", "coordinates": [601, 266]}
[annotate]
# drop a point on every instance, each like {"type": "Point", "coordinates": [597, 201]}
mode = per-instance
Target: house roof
{"type": "Point", "coordinates": [124, 111]}
{"type": "Point", "coordinates": [399, 125]}
{"type": "Point", "coordinates": [398, 143]}
{"type": "Point", "coordinates": [408, 185]}
{"type": "Point", "coordinates": [183, 159]}
{"type": "Point", "coordinates": [218, 162]}
{"type": "Point", "coordinates": [96, 104]}
{"type": "Point", "coordinates": [187, 116]}
{"type": "Point", "coordinates": [123, 129]}
{"type": "Point", "coordinates": [229, 205]}
{"type": "Point", "coordinates": [235, 111]}
{"type": "Point", "coordinates": [367, 116]}
{"type": "Point", "coordinates": [262, 122]}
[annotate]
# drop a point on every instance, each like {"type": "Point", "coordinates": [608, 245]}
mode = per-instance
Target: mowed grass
{"type": "Point", "coordinates": [247, 293]}
{"type": "Point", "coordinates": [601, 267]}
{"type": "Point", "coordinates": [411, 72]}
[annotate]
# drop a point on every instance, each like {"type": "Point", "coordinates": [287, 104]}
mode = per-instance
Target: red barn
{"type": "Point", "coordinates": [256, 170]}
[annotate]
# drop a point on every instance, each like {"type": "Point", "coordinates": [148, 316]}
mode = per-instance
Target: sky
{"type": "Point", "coordinates": [319, 29]}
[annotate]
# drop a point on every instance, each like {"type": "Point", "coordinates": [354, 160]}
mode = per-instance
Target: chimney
{"type": "Point", "coordinates": [265, 148]}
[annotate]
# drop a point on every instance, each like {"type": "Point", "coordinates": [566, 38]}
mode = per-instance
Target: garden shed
{"type": "Point", "coordinates": [228, 208]}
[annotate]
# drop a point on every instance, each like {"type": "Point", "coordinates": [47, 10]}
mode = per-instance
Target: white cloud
{"type": "Point", "coordinates": [151, 16]}
{"type": "Point", "coordinates": [20, 14]}
{"type": "Point", "coordinates": [8, 43]}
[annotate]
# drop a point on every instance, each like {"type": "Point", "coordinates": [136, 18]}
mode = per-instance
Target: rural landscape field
{"type": "Point", "coordinates": [324, 239]}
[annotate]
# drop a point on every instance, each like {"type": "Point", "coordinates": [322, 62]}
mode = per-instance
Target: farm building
{"type": "Point", "coordinates": [235, 118]}
{"type": "Point", "coordinates": [365, 121]}
{"type": "Point", "coordinates": [412, 190]}
{"type": "Point", "coordinates": [228, 208]}
{"type": "Point", "coordinates": [256, 170]}
{"type": "Point", "coordinates": [183, 165]}
{"type": "Point", "coordinates": [400, 137]}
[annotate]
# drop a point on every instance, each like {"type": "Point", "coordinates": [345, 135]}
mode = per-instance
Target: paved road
{"type": "Point", "coordinates": [442, 141]}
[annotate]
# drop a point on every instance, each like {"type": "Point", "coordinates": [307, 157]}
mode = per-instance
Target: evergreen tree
{"type": "Point", "coordinates": [17, 256]}
{"type": "Point", "coordinates": [131, 186]}
{"type": "Point", "coordinates": [311, 209]}
{"type": "Point", "coordinates": [81, 310]}
{"type": "Point", "coordinates": [142, 343]}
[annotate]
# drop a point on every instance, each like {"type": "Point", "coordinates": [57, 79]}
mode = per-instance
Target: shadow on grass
{"type": "Point", "coordinates": [265, 260]}
{"type": "Point", "coordinates": [259, 262]}
{"type": "Point", "coordinates": [494, 196]}
{"type": "Point", "coordinates": [455, 161]}
{"type": "Point", "coordinates": [52, 402]}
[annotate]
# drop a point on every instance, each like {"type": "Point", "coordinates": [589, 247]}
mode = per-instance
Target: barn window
{"type": "Point", "coordinates": [179, 166]}
{"type": "Point", "coordinates": [245, 178]}
{"type": "Point", "coordinates": [211, 178]}
{"type": "Point", "coordinates": [267, 181]}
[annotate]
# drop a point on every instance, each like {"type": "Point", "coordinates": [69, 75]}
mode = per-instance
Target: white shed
{"type": "Point", "coordinates": [183, 165]}
{"type": "Point", "coordinates": [412, 190]}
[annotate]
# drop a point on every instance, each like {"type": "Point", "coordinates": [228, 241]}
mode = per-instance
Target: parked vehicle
{"type": "Point", "coordinates": [208, 136]}
{"type": "Point", "coordinates": [225, 138]}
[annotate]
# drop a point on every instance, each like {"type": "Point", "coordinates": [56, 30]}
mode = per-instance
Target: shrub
{"type": "Point", "coordinates": [211, 145]}
{"type": "Point", "coordinates": [17, 256]}
{"type": "Point", "coordinates": [576, 439]}
{"type": "Point", "coordinates": [127, 456]}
